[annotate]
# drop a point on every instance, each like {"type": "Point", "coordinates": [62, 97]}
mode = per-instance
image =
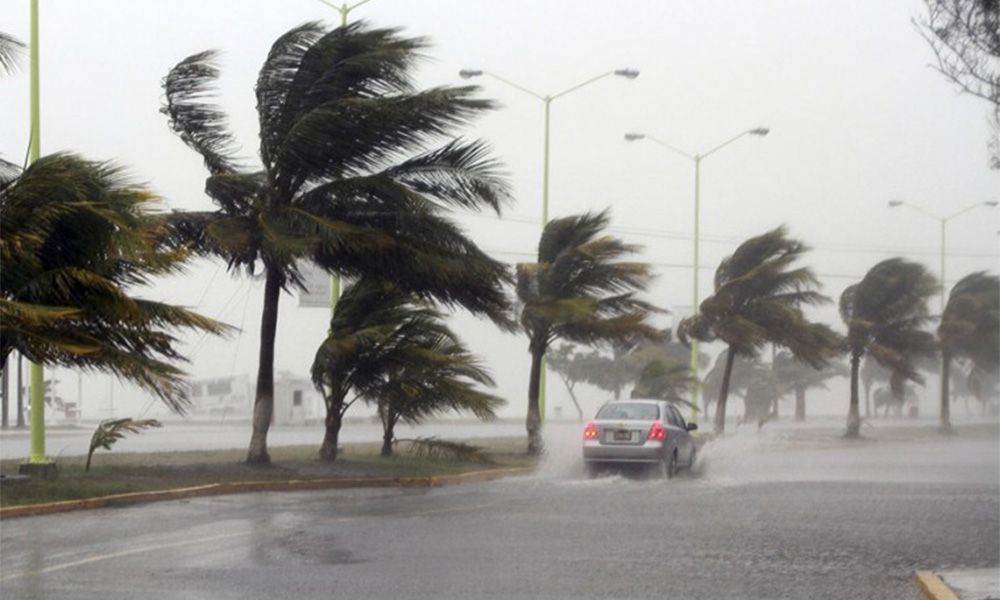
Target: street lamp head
{"type": "Point", "coordinates": [632, 137]}
{"type": "Point", "coordinates": [992, 203]}
{"type": "Point", "coordinates": [895, 203]}
{"type": "Point", "coordinates": [470, 73]}
{"type": "Point", "coordinates": [627, 73]}
{"type": "Point", "coordinates": [761, 131]}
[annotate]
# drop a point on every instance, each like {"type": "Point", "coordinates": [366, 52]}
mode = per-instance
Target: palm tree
{"type": "Point", "coordinates": [970, 328]}
{"type": "Point", "coordinates": [579, 291]}
{"type": "Point", "coordinates": [885, 313]}
{"type": "Point", "coordinates": [436, 374]}
{"type": "Point", "coordinates": [798, 377]}
{"type": "Point", "coordinates": [78, 236]}
{"type": "Point", "coordinates": [349, 177]}
{"type": "Point", "coordinates": [372, 321]}
{"type": "Point", "coordinates": [662, 370]}
{"type": "Point", "coordinates": [758, 300]}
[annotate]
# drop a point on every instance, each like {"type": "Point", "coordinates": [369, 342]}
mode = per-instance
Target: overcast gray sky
{"type": "Point", "coordinates": [857, 118]}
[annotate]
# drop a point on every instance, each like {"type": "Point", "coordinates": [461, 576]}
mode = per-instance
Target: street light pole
{"type": "Point", "coordinates": [37, 455]}
{"type": "Point", "coordinates": [696, 159]}
{"type": "Point", "coordinates": [547, 103]}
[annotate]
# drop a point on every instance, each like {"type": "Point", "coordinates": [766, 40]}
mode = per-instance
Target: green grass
{"type": "Point", "coordinates": [112, 473]}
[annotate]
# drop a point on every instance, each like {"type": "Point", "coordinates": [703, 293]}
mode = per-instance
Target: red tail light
{"type": "Point", "coordinates": [657, 433]}
{"type": "Point", "coordinates": [590, 431]}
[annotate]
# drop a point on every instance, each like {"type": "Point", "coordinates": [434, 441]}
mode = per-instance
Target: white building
{"type": "Point", "coordinates": [221, 399]}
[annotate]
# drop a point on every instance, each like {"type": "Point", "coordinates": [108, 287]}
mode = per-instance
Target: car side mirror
{"type": "Point", "coordinates": [692, 426]}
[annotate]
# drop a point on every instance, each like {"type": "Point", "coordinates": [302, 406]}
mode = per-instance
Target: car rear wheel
{"type": "Point", "coordinates": [668, 466]}
{"type": "Point", "coordinates": [592, 469]}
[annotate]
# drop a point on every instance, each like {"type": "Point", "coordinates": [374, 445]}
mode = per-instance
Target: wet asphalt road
{"type": "Point", "coordinates": [756, 523]}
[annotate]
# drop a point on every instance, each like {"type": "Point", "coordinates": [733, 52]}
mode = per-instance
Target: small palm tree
{"type": "Point", "coordinates": [579, 291]}
{"type": "Point", "coordinates": [77, 238]}
{"type": "Point", "coordinates": [436, 374]}
{"type": "Point", "coordinates": [970, 329]}
{"type": "Point", "coordinates": [798, 377]}
{"type": "Point", "coordinates": [758, 300]}
{"type": "Point", "coordinates": [885, 314]}
{"type": "Point", "coordinates": [356, 166]}
{"type": "Point", "coordinates": [372, 322]}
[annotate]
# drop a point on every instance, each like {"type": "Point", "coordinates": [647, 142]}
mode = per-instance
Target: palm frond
{"type": "Point", "coordinates": [110, 431]}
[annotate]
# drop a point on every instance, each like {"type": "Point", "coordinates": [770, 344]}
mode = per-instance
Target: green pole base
{"type": "Point", "coordinates": [47, 471]}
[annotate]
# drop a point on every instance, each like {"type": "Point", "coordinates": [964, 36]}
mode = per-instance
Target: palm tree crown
{"type": "Point", "coordinates": [78, 236]}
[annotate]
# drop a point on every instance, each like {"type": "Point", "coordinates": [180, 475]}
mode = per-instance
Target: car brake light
{"type": "Point", "coordinates": [657, 433]}
{"type": "Point", "coordinates": [590, 431]}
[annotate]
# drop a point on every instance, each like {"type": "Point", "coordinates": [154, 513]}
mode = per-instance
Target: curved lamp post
{"type": "Point", "coordinates": [696, 158]}
{"type": "Point", "coordinates": [547, 99]}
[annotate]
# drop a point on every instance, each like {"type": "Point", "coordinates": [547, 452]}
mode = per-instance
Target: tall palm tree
{"type": "Point", "coordinates": [367, 334]}
{"type": "Point", "coordinates": [579, 291]}
{"type": "Point", "coordinates": [78, 237]}
{"type": "Point", "coordinates": [798, 377]}
{"type": "Point", "coordinates": [885, 314]}
{"type": "Point", "coordinates": [970, 328]}
{"type": "Point", "coordinates": [758, 300]}
{"type": "Point", "coordinates": [356, 167]}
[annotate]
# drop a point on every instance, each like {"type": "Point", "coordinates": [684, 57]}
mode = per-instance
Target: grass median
{"type": "Point", "coordinates": [112, 473]}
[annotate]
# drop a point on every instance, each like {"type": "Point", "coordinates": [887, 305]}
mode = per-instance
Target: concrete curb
{"type": "Point", "coordinates": [932, 586]}
{"type": "Point", "coordinates": [295, 485]}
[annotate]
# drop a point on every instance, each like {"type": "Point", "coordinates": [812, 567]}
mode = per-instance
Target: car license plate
{"type": "Point", "coordinates": [623, 436]}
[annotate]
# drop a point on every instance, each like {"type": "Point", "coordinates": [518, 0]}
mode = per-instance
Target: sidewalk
{"type": "Point", "coordinates": [964, 584]}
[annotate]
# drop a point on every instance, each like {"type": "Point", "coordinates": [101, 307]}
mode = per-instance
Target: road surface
{"type": "Point", "coordinates": [833, 520]}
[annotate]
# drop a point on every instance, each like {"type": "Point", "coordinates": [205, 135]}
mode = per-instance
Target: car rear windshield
{"type": "Point", "coordinates": [629, 411]}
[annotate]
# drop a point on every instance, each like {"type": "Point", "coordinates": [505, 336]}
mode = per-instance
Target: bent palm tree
{"type": "Point", "coordinates": [77, 236]}
{"type": "Point", "coordinates": [970, 328]}
{"type": "Point", "coordinates": [758, 300]}
{"type": "Point", "coordinates": [346, 178]}
{"type": "Point", "coordinates": [579, 291]}
{"type": "Point", "coordinates": [885, 314]}
{"type": "Point", "coordinates": [373, 321]}
{"type": "Point", "coordinates": [436, 374]}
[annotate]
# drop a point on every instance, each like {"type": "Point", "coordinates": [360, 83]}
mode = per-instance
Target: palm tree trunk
{"type": "Point", "coordinates": [868, 401]}
{"type": "Point", "coordinates": [572, 396]}
{"type": "Point", "coordinates": [720, 405]}
{"type": "Point", "coordinates": [945, 382]}
{"type": "Point", "coordinates": [534, 421]}
{"type": "Point", "coordinates": [263, 406]}
{"type": "Point", "coordinates": [853, 413]}
{"type": "Point", "coordinates": [331, 437]}
{"type": "Point", "coordinates": [800, 404]}
{"type": "Point", "coordinates": [388, 424]}
{"type": "Point", "coordinates": [20, 393]}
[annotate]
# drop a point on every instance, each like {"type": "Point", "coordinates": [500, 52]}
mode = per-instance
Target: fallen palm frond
{"type": "Point", "coordinates": [432, 447]}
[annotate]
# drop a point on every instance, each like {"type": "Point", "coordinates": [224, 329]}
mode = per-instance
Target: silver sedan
{"type": "Point", "coordinates": [639, 431]}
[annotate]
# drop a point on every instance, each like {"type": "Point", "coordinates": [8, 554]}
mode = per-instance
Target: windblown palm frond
{"type": "Point", "coordinates": [357, 169]}
{"type": "Point", "coordinates": [11, 50]}
{"type": "Point", "coordinates": [110, 431]}
{"type": "Point", "coordinates": [78, 237]}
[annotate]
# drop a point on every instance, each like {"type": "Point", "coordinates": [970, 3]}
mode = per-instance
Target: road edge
{"type": "Point", "coordinates": [933, 587]}
{"type": "Point", "coordinates": [238, 487]}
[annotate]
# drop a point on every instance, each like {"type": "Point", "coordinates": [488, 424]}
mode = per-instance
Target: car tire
{"type": "Point", "coordinates": [668, 466]}
{"type": "Point", "coordinates": [592, 469]}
